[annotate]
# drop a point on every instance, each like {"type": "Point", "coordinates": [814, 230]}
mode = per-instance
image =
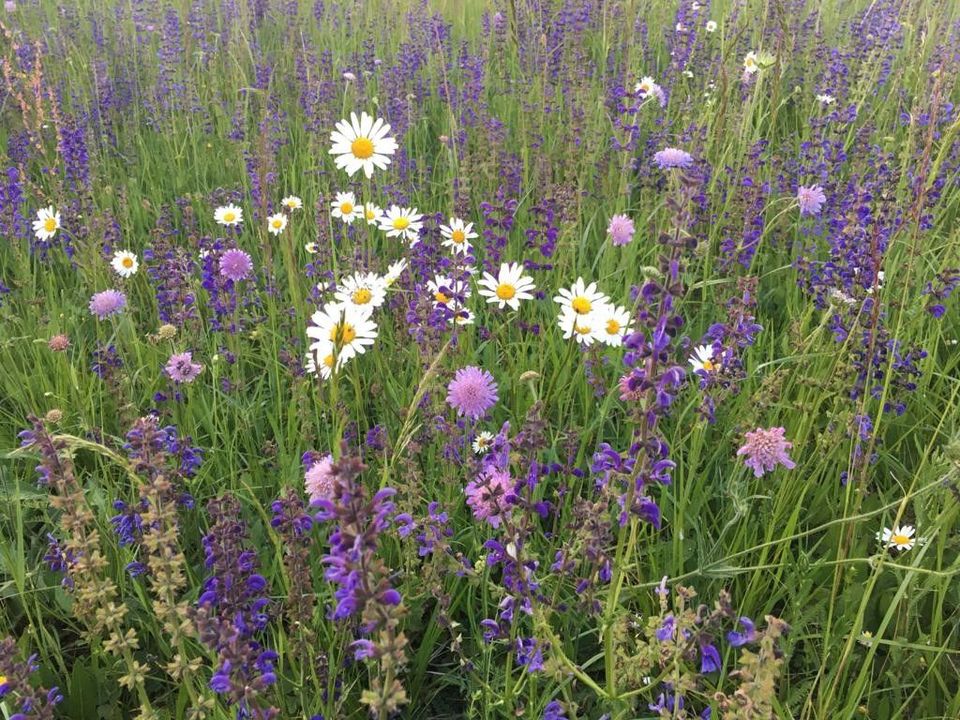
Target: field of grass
{"type": "Point", "coordinates": [242, 533]}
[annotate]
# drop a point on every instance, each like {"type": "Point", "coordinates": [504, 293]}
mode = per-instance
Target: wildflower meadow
{"type": "Point", "coordinates": [435, 359]}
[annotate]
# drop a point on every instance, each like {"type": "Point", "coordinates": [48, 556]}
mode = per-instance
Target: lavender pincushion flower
{"type": "Point", "coordinates": [107, 303]}
{"type": "Point", "coordinates": [472, 392]}
{"type": "Point", "coordinates": [319, 479]}
{"type": "Point", "coordinates": [620, 230]}
{"type": "Point", "coordinates": [670, 158]}
{"type": "Point", "coordinates": [488, 495]}
{"type": "Point", "coordinates": [765, 449]}
{"type": "Point", "coordinates": [810, 199]}
{"type": "Point", "coordinates": [181, 368]}
{"type": "Point", "coordinates": [235, 265]}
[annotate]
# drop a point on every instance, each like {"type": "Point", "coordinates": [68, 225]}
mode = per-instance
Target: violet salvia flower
{"type": "Point", "coordinates": [181, 369]}
{"type": "Point", "coordinates": [765, 449]}
{"type": "Point", "coordinates": [671, 158]}
{"type": "Point", "coordinates": [293, 524]}
{"type": "Point", "coordinates": [621, 230]}
{"type": "Point", "coordinates": [739, 639]}
{"type": "Point", "coordinates": [810, 199]}
{"type": "Point", "coordinates": [472, 392]}
{"type": "Point", "coordinates": [31, 703]}
{"type": "Point", "coordinates": [106, 303]}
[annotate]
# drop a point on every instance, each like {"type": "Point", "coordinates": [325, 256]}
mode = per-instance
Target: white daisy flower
{"type": "Point", "coordinates": [457, 235]}
{"type": "Point", "coordinates": [292, 202]}
{"type": "Point", "coordinates": [482, 442]}
{"type": "Point", "coordinates": [311, 247]}
{"type": "Point", "coordinates": [899, 538]}
{"type": "Point", "coordinates": [362, 144]}
{"type": "Point", "coordinates": [508, 288]}
{"type": "Point", "coordinates": [404, 223]}
{"type": "Point", "coordinates": [443, 289]}
{"type": "Point", "coordinates": [322, 359]}
{"type": "Point", "coordinates": [462, 316]}
{"type": "Point", "coordinates": [580, 297]}
{"type": "Point", "coordinates": [277, 223]}
{"type": "Point", "coordinates": [124, 263]}
{"type": "Point", "coordinates": [614, 324]}
{"type": "Point", "coordinates": [228, 215]}
{"type": "Point", "coordinates": [47, 223]}
{"type": "Point", "coordinates": [750, 65]}
{"type": "Point", "coordinates": [703, 359]}
{"type": "Point", "coordinates": [394, 272]}
{"type": "Point", "coordinates": [826, 99]}
{"type": "Point", "coordinates": [586, 329]}
{"type": "Point", "coordinates": [711, 26]}
{"type": "Point", "coordinates": [372, 213]}
{"type": "Point", "coordinates": [345, 207]}
{"type": "Point", "coordinates": [362, 290]}
{"type": "Point", "coordinates": [348, 328]}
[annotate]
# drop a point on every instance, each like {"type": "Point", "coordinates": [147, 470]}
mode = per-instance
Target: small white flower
{"type": "Point", "coordinates": [348, 329]}
{"type": "Point", "coordinates": [372, 213]}
{"type": "Point", "coordinates": [394, 272]}
{"type": "Point", "coordinates": [703, 359]}
{"type": "Point", "coordinates": [276, 223]}
{"type": "Point", "coordinates": [482, 442]}
{"type": "Point", "coordinates": [826, 99]}
{"type": "Point", "coordinates": [228, 215]}
{"type": "Point", "coordinates": [585, 329]}
{"type": "Point", "coordinates": [345, 207]}
{"type": "Point", "coordinates": [401, 222]}
{"type": "Point", "coordinates": [508, 288]}
{"type": "Point", "coordinates": [614, 324]}
{"type": "Point", "coordinates": [47, 223]}
{"type": "Point", "coordinates": [900, 538]}
{"type": "Point", "coordinates": [750, 65]}
{"type": "Point", "coordinates": [311, 247]}
{"type": "Point", "coordinates": [362, 289]}
{"type": "Point", "coordinates": [457, 235]}
{"type": "Point", "coordinates": [292, 202]}
{"type": "Point", "coordinates": [125, 263]}
{"type": "Point", "coordinates": [711, 26]}
{"type": "Point", "coordinates": [362, 144]}
{"type": "Point", "coordinates": [580, 297]}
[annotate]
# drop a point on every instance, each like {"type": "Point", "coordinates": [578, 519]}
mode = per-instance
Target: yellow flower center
{"type": "Point", "coordinates": [506, 291]}
{"type": "Point", "coordinates": [362, 148]}
{"type": "Point", "coordinates": [346, 208]}
{"type": "Point", "coordinates": [582, 329]}
{"type": "Point", "coordinates": [229, 217]}
{"type": "Point", "coordinates": [328, 360]}
{"type": "Point", "coordinates": [343, 333]}
{"type": "Point", "coordinates": [292, 204]}
{"type": "Point", "coordinates": [613, 327]}
{"type": "Point", "coordinates": [458, 236]}
{"type": "Point", "coordinates": [278, 224]}
{"type": "Point", "coordinates": [127, 262]}
{"type": "Point", "coordinates": [750, 62]}
{"type": "Point", "coordinates": [369, 214]}
{"type": "Point", "coordinates": [361, 296]}
{"type": "Point", "coordinates": [50, 224]}
{"type": "Point", "coordinates": [581, 305]}
{"type": "Point", "coordinates": [401, 223]}
{"type": "Point", "coordinates": [644, 88]}
{"type": "Point", "coordinates": [482, 442]}
{"type": "Point", "coordinates": [440, 297]}
{"type": "Point", "coordinates": [708, 365]}
{"type": "Point", "coordinates": [899, 539]}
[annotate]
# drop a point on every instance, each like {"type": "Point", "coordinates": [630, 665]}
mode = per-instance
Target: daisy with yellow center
{"type": "Point", "coordinates": [347, 329]}
{"type": "Point", "coordinates": [394, 272]}
{"type": "Point", "coordinates": [47, 223]}
{"type": "Point", "coordinates": [457, 235]}
{"type": "Point", "coordinates": [750, 65]}
{"type": "Point", "coordinates": [362, 290]}
{"type": "Point", "coordinates": [372, 213]}
{"type": "Point", "coordinates": [580, 297]}
{"type": "Point", "coordinates": [276, 224]}
{"type": "Point", "coordinates": [444, 290]}
{"type": "Point", "coordinates": [585, 329]}
{"type": "Point", "coordinates": [461, 316]}
{"type": "Point", "coordinates": [124, 263]}
{"type": "Point", "coordinates": [404, 223]}
{"type": "Point", "coordinates": [312, 248]}
{"type": "Point", "coordinates": [614, 324]}
{"type": "Point", "coordinates": [292, 202]}
{"type": "Point", "coordinates": [702, 360]}
{"type": "Point", "coordinates": [362, 144]}
{"type": "Point", "coordinates": [508, 288]}
{"type": "Point", "coordinates": [345, 207]}
{"type": "Point", "coordinates": [228, 215]}
{"type": "Point", "coordinates": [900, 538]}
{"type": "Point", "coordinates": [322, 360]}
{"type": "Point", "coordinates": [482, 442]}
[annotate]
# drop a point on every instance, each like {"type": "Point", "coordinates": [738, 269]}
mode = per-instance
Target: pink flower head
{"type": "Point", "coordinates": [235, 265]}
{"type": "Point", "coordinates": [765, 449]}
{"type": "Point", "coordinates": [107, 303]}
{"type": "Point", "coordinates": [472, 392]}
{"type": "Point", "coordinates": [620, 230]}
{"type": "Point", "coordinates": [319, 479]}
{"type": "Point", "coordinates": [670, 158]}
{"type": "Point", "coordinates": [811, 199]}
{"type": "Point", "coordinates": [182, 369]}
{"type": "Point", "coordinates": [487, 495]}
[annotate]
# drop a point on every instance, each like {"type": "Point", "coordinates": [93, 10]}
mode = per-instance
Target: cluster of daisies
{"type": "Point", "coordinates": [588, 316]}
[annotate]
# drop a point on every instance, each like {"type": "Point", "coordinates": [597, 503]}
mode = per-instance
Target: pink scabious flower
{"type": "Point", "coordinates": [472, 392]}
{"type": "Point", "coordinates": [620, 230]}
{"type": "Point", "coordinates": [58, 343]}
{"type": "Point", "coordinates": [107, 303]}
{"type": "Point", "coordinates": [765, 449]}
{"type": "Point", "coordinates": [319, 479]}
{"type": "Point", "coordinates": [235, 265]}
{"type": "Point", "coordinates": [670, 158]}
{"type": "Point", "coordinates": [487, 495]}
{"type": "Point", "coordinates": [182, 369]}
{"type": "Point", "coordinates": [811, 199]}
